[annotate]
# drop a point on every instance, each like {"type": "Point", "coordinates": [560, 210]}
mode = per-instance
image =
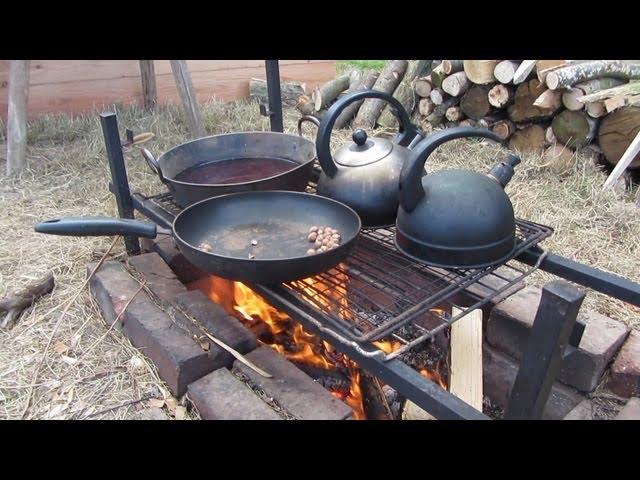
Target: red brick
{"type": "Point", "coordinates": [631, 411]}
{"type": "Point", "coordinates": [157, 275]}
{"type": "Point", "coordinates": [625, 371]}
{"type": "Point", "coordinates": [499, 374]}
{"type": "Point", "coordinates": [582, 411]}
{"type": "Point", "coordinates": [166, 248]}
{"type": "Point", "coordinates": [510, 323]}
{"type": "Point", "coordinates": [221, 396]}
{"type": "Point", "coordinates": [291, 389]}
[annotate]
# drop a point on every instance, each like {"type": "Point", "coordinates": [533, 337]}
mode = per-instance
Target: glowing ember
{"type": "Point", "coordinates": [434, 377]}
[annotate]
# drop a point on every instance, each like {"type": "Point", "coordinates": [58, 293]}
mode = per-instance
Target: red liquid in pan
{"type": "Point", "coordinates": [237, 170]}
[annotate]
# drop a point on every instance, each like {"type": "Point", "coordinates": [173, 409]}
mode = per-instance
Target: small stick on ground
{"type": "Point", "coordinates": [17, 303]}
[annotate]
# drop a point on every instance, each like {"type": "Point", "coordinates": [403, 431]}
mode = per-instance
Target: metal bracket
{"type": "Point", "coordinates": [264, 110]}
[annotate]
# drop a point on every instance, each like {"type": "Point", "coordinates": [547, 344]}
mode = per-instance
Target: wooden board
{"type": "Point", "coordinates": [466, 358]}
{"type": "Point", "coordinates": [74, 86]}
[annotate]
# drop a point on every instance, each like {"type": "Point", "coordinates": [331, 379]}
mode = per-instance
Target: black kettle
{"type": "Point", "coordinates": [455, 218]}
{"type": "Point", "coordinates": [365, 173]}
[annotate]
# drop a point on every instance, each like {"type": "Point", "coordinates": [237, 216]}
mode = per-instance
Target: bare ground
{"type": "Point", "coordinates": [90, 372]}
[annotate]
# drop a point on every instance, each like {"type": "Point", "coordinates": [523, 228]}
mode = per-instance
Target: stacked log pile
{"type": "Point", "coordinates": [552, 107]}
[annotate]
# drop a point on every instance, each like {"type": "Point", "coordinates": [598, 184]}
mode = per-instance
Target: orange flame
{"type": "Point", "coordinates": [434, 377]}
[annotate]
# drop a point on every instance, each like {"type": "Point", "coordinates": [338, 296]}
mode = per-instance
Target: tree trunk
{"type": "Point", "coordinates": [573, 98]}
{"type": "Point", "coordinates": [574, 129]}
{"type": "Point", "coordinates": [454, 114]}
{"type": "Point", "coordinates": [452, 66]}
{"type": "Point", "coordinates": [616, 133]}
{"type": "Point", "coordinates": [423, 87]}
{"type": "Point", "coordinates": [290, 91]}
{"type": "Point", "coordinates": [503, 128]}
{"type": "Point", "coordinates": [580, 72]}
{"type": "Point", "coordinates": [17, 115]}
{"type": "Point", "coordinates": [438, 115]}
{"type": "Point", "coordinates": [480, 71]}
{"type": "Point", "coordinates": [475, 103]}
{"type": "Point", "coordinates": [523, 109]}
{"type": "Point", "coordinates": [367, 81]}
{"type": "Point", "coordinates": [524, 71]}
{"type": "Point", "coordinates": [504, 71]}
{"type": "Point", "coordinates": [387, 82]}
{"type": "Point", "coordinates": [549, 99]}
{"type": "Point", "coordinates": [438, 96]}
{"type": "Point", "coordinates": [327, 93]}
{"type": "Point", "coordinates": [500, 95]}
{"type": "Point", "coordinates": [404, 93]}
{"type": "Point", "coordinates": [426, 106]}
{"type": "Point", "coordinates": [528, 139]}
{"type": "Point", "coordinates": [456, 84]}
{"type": "Point", "coordinates": [437, 76]}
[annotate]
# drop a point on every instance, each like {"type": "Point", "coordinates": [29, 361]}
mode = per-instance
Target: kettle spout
{"type": "Point", "coordinates": [503, 172]}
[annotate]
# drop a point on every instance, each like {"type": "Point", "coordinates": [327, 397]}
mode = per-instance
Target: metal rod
{"type": "Point", "coordinates": [420, 390]}
{"type": "Point", "coordinates": [604, 282]}
{"type": "Point", "coordinates": [543, 354]}
{"type": "Point", "coordinates": [120, 182]}
{"type": "Point", "coordinates": [275, 96]}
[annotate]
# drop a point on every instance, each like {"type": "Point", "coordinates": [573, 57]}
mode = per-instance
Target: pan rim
{"type": "Point", "coordinates": [266, 192]}
{"type": "Point", "coordinates": [180, 182]}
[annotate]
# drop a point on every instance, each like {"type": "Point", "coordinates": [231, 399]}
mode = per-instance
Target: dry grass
{"type": "Point", "coordinates": [68, 175]}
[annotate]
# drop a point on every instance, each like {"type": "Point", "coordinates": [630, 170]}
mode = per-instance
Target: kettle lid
{"type": "Point", "coordinates": [363, 150]}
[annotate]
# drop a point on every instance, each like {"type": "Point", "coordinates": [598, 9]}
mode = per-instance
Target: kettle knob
{"type": "Point", "coordinates": [360, 137]}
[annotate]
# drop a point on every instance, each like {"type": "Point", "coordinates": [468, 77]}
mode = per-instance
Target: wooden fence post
{"type": "Point", "coordinates": [187, 94]}
{"type": "Point", "coordinates": [17, 115]}
{"type": "Point", "coordinates": [148, 78]}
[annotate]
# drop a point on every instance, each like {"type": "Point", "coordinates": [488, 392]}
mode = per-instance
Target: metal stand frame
{"type": "Point", "coordinates": [554, 330]}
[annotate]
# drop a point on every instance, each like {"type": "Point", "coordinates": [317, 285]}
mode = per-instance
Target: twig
{"type": "Point", "coordinates": [59, 322]}
{"type": "Point", "coordinates": [17, 303]}
{"type": "Point", "coordinates": [125, 404]}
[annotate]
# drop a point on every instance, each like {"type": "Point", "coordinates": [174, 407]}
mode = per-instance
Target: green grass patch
{"type": "Point", "coordinates": [343, 65]}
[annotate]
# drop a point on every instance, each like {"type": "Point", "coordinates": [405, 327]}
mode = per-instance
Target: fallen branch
{"type": "Point", "coordinates": [632, 88]}
{"type": "Point", "coordinates": [17, 303]}
{"type": "Point", "coordinates": [580, 72]}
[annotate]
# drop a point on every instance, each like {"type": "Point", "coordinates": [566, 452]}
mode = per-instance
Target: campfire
{"type": "Point", "coordinates": [334, 370]}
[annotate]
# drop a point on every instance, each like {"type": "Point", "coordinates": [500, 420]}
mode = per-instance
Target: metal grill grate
{"type": "Point", "coordinates": [379, 294]}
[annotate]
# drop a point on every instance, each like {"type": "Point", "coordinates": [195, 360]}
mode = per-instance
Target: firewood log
{"type": "Point", "coordinates": [452, 66]}
{"type": "Point", "coordinates": [500, 95]}
{"type": "Point", "coordinates": [504, 71]}
{"type": "Point", "coordinates": [13, 305]}
{"type": "Point", "coordinates": [475, 103]}
{"type": "Point", "coordinates": [437, 76]}
{"type": "Point", "coordinates": [574, 129]}
{"type": "Point", "coordinates": [405, 93]}
{"type": "Point", "coordinates": [523, 110]}
{"type": "Point", "coordinates": [549, 136]}
{"type": "Point", "coordinates": [422, 86]}
{"type": "Point", "coordinates": [577, 96]}
{"type": "Point", "coordinates": [426, 106]}
{"type": "Point", "coordinates": [503, 128]}
{"type": "Point", "coordinates": [328, 92]}
{"type": "Point", "coordinates": [467, 122]}
{"type": "Point", "coordinates": [438, 96]}
{"type": "Point", "coordinates": [290, 91]}
{"type": "Point", "coordinates": [614, 103]}
{"type": "Point", "coordinates": [543, 67]}
{"type": "Point", "coordinates": [528, 139]}
{"type": "Point", "coordinates": [595, 109]}
{"type": "Point", "coordinates": [389, 79]}
{"type": "Point", "coordinates": [367, 81]}
{"type": "Point", "coordinates": [480, 71]}
{"type": "Point", "coordinates": [454, 114]}
{"type": "Point", "coordinates": [558, 158]}
{"type": "Point", "coordinates": [438, 115]}
{"type": "Point", "coordinates": [524, 71]}
{"type": "Point", "coordinates": [628, 89]}
{"type": "Point", "coordinates": [456, 84]}
{"type": "Point", "coordinates": [617, 131]}
{"type": "Point", "coordinates": [549, 99]}
{"type": "Point", "coordinates": [580, 72]}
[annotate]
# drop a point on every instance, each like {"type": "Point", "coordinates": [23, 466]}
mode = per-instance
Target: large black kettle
{"type": "Point", "coordinates": [365, 173]}
{"type": "Point", "coordinates": [455, 218]}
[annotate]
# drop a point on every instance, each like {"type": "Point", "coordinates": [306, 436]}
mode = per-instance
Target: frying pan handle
{"type": "Point", "coordinates": [96, 227]}
{"type": "Point", "coordinates": [153, 164]}
{"type": "Point", "coordinates": [307, 118]}
{"type": "Point", "coordinates": [406, 135]}
{"type": "Point", "coordinates": [411, 191]}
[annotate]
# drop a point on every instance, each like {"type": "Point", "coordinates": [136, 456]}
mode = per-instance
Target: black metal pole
{"type": "Point", "coordinates": [542, 358]}
{"type": "Point", "coordinates": [120, 183]}
{"type": "Point", "coordinates": [604, 282]}
{"type": "Point", "coordinates": [275, 96]}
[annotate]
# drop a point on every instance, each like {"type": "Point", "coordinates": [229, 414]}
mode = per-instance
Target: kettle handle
{"type": "Point", "coordinates": [307, 118]}
{"type": "Point", "coordinates": [411, 191]}
{"type": "Point", "coordinates": [407, 130]}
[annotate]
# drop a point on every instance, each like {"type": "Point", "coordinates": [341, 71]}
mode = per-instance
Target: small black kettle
{"type": "Point", "coordinates": [455, 218]}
